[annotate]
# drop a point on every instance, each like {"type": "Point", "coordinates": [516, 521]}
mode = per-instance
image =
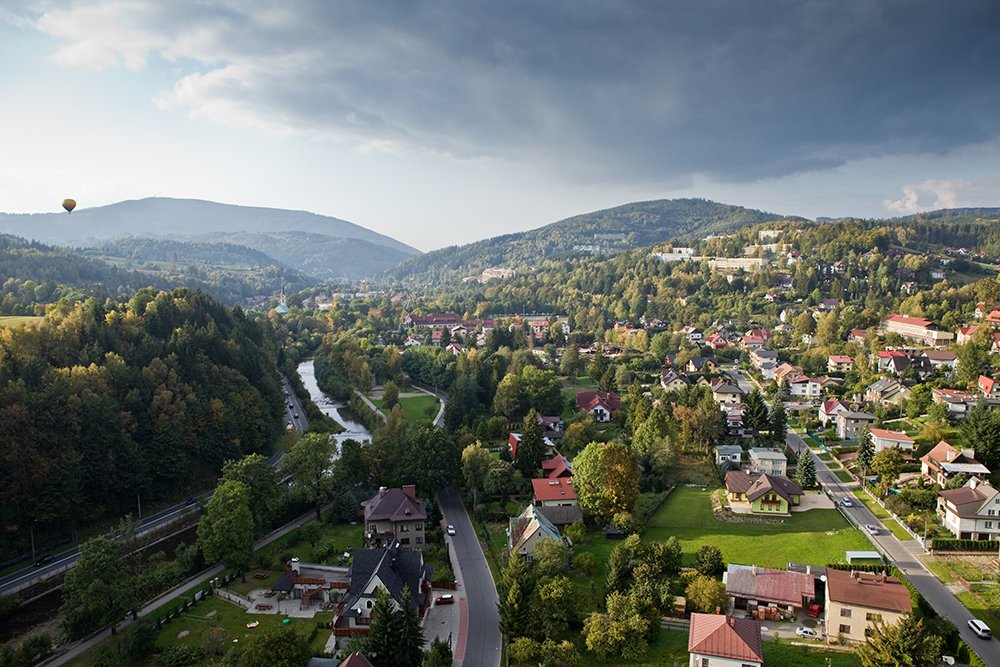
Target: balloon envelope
{"type": "Point", "coordinates": [69, 205]}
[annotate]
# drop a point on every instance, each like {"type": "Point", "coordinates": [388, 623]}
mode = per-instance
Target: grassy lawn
{"type": "Point", "coordinates": [343, 537]}
{"type": "Point", "coordinates": [824, 456]}
{"type": "Point", "coordinates": [843, 475]}
{"type": "Point", "coordinates": [816, 537]}
{"type": "Point", "coordinates": [232, 620]}
{"type": "Point", "coordinates": [883, 515]}
{"type": "Point", "coordinates": [950, 569]}
{"type": "Point", "coordinates": [415, 407]}
{"type": "Point", "coordinates": [671, 645]}
{"type": "Point", "coordinates": [984, 603]}
{"type": "Point", "coordinates": [17, 320]}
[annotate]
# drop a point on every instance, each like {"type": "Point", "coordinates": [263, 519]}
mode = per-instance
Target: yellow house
{"type": "Point", "coordinates": [856, 600]}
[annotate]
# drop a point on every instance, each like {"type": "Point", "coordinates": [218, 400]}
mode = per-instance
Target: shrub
{"type": "Point", "coordinates": [179, 656]}
{"type": "Point", "coordinates": [950, 544]}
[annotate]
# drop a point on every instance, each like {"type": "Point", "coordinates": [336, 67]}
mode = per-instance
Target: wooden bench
{"type": "Point", "coordinates": [263, 606]}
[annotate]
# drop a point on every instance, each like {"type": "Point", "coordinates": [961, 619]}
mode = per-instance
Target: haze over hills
{"type": "Point", "coordinates": [335, 248]}
{"type": "Point", "coordinates": [615, 229]}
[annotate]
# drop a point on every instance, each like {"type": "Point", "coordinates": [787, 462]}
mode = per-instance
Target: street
{"type": "Point", "coordinates": [478, 642]}
{"type": "Point", "coordinates": [903, 555]}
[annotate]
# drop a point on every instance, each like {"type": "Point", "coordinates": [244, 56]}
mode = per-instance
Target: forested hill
{"type": "Point", "coordinates": [611, 230]}
{"type": "Point", "coordinates": [105, 400]}
{"type": "Point", "coordinates": [35, 275]}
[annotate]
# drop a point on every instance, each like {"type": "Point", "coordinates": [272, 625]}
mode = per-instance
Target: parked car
{"type": "Point", "coordinates": [847, 502]}
{"type": "Point", "coordinates": [447, 598]}
{"type": "Point", "coordinates": [451, 529]}
{"type": "Point", "coordinates": [981, 629]}
{"type": "Point", "coordinates": [871, 529]}
{"type": "Point", "coordinates": [807, 633]}
{"type": "Point", "coordinates": [814, 610]}
{"type": "Point", "coordinates": [44, 560]}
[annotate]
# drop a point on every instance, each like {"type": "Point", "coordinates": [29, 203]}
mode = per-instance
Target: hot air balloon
{"type": "Point", "coordinates": [69, 205]}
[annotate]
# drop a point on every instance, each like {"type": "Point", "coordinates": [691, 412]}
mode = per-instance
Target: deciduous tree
{"type": "Point", "coordinates": [225, 532]}
{"type": "Point", "coordinates": [606, 479]}
{"type": "Point", "coordinates": [98, 590]}
{"type": "Point", "coordinates": [308, 463]}
{"type": "Point", "coordinates": [905, 642]}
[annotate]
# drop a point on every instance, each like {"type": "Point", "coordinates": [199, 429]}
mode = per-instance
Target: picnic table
{"type": "Point", "coordinates": [263, 606]}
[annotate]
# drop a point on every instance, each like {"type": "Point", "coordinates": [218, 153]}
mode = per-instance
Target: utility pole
{"type": "Point", "coordinates": [32, 528]}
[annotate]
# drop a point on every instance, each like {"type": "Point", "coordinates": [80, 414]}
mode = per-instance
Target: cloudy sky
{"type": "Point", "coordinates": [448, 121]}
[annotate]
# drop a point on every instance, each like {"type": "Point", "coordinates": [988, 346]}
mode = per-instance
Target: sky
{"type": "Point", "coordinates": [445, 122]}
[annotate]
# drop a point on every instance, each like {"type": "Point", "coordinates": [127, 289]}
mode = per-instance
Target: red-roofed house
{"type": "Point", "coordinates": [972, 511]}
{"type": "Point", "coordinates": [839, 363]}
{"type": "Point", "coordinates": [855, 601]}
{"type": "Point", "coordinates": [602, 404]}
{"type": "Point", "coordinates": [717, 341]}
{"type": "Point", "coordinates": [752, 587]}
{"type": "Point", "coordinates": [917, 329]}
{"type": "Point", "coordinates": [556, 467]}
{"type": "Point", "coordinates": [858, 335]}
{"type": "Point", "coordinates": [884, 439]}
{"type": "Point", "coordinates": [885, 358]}
{"type": "Point", "coordinates": [830, 408]}
{"type": "Point", "coordinates": [965, 334]}
{"type": "Point", "coordinates": [989, 387]}
{"type": "Point", "coordinates": [945, 461]}
{"type": "Point", "coordinates": [716, 640]}
{"type": "Point", "coordinates": [554, 492]}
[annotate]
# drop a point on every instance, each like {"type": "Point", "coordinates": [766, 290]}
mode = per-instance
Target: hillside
{"type": "Point", "coordinates": [365, 252]}
{"type": "Point", "coordinates": [611, 230]}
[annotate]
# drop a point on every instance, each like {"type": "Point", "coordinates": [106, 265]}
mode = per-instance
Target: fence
{"type": "Point", "coordinates": [229, 596]}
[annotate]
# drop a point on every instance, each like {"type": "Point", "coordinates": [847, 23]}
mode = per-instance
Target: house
{"type": "Point", "coordinates": [971, 512]}
{"type": "Point", "coordinates": [702, 365]}
{"type": "Point", "coordinates": [959, 403]}
{"type": "Point", "coordinates": [753, 588]}
{"type": "Point", "coordinates": [717, 640]}
{"type": "Point", "coordinates": [731, 455]}
{"type": "Point", "coordinates": [851, 423]}
{"type": "Point", "coordinates": [554, 492]}
{"type": "Point", "coordinates": [752, 342]}
{"type": "Point", "coordinates": [514, 441]}
{"type": "Point", "coordinates": [353, 660]}
{"type": "Point", "coordinates": [693, 334]}
{"type": "Point", "coordinates": [767, 494]}
{"type": "Point", "coordinates": [855, 601]}
{"type": "Point", "coordinates": [312, 583]}
{"type": "Point", "coordinates": [671, 380]}
{"type": "Point", "coordinates": [830, 408]}
{"type": "Point", "coordinates": [388, 570]}
{"type": "Point", "coordinates": [943, 360]}
{"type": "Point", "coordinates": [717, 341]}
{"type": "Point", "coordinates": [556, 467]}
{"type": "Point", "coordinates": [726, 393]}
{"type": "Point", "coordinates": [768, 460]}
{"type": "Point", "coordinates": [857, 335]}
{"type": "Point", "coordinates": [965, 334]}
{"type": "Point", "coordinates": [989, 387]}
{"type": "Point", "coordinates": [561, 516]}
{"type": "Point", "coordinates": [945, 461]}
{"type": "Point", "coordinates": [917, 329]}
{"type": "Point", "coordinates": [767, 370]}
{"type": "Point", "coordinates": [884, 439]}
{"type": "Point", "coordinates": [527, 530]}
{"type": "Point", "coordinates": [839, 363]}
{"type": "Point", "coordinates": [393, 515]}
{"type": "Point", "coordinates": [759, 356]}
{"type": "Point", "coordinates": [828, 305]}
{"type": "Point", "coordinates": [885, 358]}
{"type": "Point", "coordinates": [454, 348]}
{"type": "Point", "coordinates": [551, 424]}
{"type": "Point", "coordinates": [786, 369]}
{"type": "Point", "coordinates": [412, 341]}
{"type": "Point", "coordinates": [602, 404]}
{"type": "Point", "coordinates": [801, 386]}
{"type": "Point", "coordinates": [886, 391]}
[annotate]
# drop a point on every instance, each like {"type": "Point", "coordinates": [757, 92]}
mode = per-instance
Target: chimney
{"type": "Point", "coordinates": [381, 491]}
{"type": "Point", "coordinates": [411, 491]}
{"type": "Point", "coordinates": [295, 565]}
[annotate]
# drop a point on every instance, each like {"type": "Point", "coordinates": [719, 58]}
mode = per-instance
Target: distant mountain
{"type": "Point", "coordinates": [187, 219]}
{"type": "Point", "coordinates": [611, 230]}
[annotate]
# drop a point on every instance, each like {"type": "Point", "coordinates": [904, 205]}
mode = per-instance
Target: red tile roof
{"type": "Point", "coordinates": [912, 321]}
{"type": "Point", "coordinates": [553, 489]}
{"type": "Point", "coordinates": [890, 435]}
{"type": "Point", "coordinates": [556, 467]}
{"type": "Point", "coordinates": [841, 359]}
{"type": "Point", "coordinates": [723, 637]}
{"type": "Point", "coordinates": [864, 589]}
{"type": "Point", "coordinates": [588, 400]}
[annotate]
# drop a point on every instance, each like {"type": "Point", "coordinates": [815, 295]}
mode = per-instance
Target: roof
{"type": "Point", "coordinates": [355, 660]}
{"type": "Point", "coordinates": [767, 453]}
{"type": "Point", "coordinates": [726, 388]}
{"type": "Point", "coordinates": [588, 400]}
{"type": "Point", "coordinates": [865, 589]}
{"type": "Point", "coordinates": [851, 414]}
{"type": "Point", "coordinates": [724, 637]}
{"type": "Point", "coordinates": [555, 467]}
{"type": "Point", "coordinates": [729, 449]}
{"type": "Point", "coordinates": [911, 321]}
{"type": "Point", "coordinates": [890, 354]}
{"type": "Point", "coordinates": [952, 460]}
{"type": "Point", "coordinates": [561, 515]}
{"type": "Point", "coordinates": [890, 435]}
{"type": "Point", "coordinates": [756, 484]}
{"type": "Point", "coordinates": [761, 583]}
{"type": "Point", "coordinates": [968, 499]}
{"type": "Point", "coordinates": [553, 489]}
{"type": "Point", "coordinates": [394, 505]}
{"type": "Point", "coordinates": [831, 404]}
{"type": "Point", "coordinates": [395, 567]}
{"type": "Point", "coordinates": [940, 355]}
{"type": "Point", "coordinates": [529, 523]}
{"type": "Point", "coordinates": [841, 359]}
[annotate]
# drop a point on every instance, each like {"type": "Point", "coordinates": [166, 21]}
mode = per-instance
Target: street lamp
{"type": "Point", "coordinates": [32, 529]}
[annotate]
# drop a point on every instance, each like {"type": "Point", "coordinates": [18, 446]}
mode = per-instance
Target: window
{"type": "Point", "coordinates": [369, 604]}
{"type": "Point", "coordinates": [868, 632]}
{"type": "Point", "coordinates": [845, 629]}
{"type": "Point", "coordinates": [991, 512]}
{"type": "Point", "coordinates": [704, 662]}
{"type": "Point", "coordinates": [403, 528]}
{"type": "Point", "coordinates": [872, 616]}
{"type": "Point", "coordinates": [420, 540]}
{"type": "Point", "coordinates": [418, 527]}
{"type": "Point", "coordinates": [405, 541]}
{"type": "Point", "coordinates": [846, 613]}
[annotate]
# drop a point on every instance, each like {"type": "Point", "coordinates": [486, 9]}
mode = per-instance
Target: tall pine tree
{"type": "Point", "coordinates": [531, 450]}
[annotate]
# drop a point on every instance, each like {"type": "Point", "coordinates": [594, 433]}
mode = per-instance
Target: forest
{"type": "Point", "coordinates": [106, 402]}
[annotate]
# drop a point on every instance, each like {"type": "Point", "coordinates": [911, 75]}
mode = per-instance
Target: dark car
{"type": "Point", "coordinates": [445, 599]}
{"type": "Point", "coordinates": [44, 560]}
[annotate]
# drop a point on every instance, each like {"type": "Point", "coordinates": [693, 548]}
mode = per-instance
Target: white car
{"type": "Point", "coordinates": [451, 529]}
{"type": "Point", "coordinates": [808, 633]}
{"type": "Point", "coordinates": [871, 529]}
{"type": "Point", "coordinates": [847, 502]}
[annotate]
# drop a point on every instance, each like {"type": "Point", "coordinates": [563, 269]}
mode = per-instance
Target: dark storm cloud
{"type": "Point", "coordinates": [592, 90]}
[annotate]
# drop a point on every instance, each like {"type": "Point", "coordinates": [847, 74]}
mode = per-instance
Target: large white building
{"type": "Point", "coordinates": [971, 512]}
{"type": "Point", "coordinates": [916, 328]}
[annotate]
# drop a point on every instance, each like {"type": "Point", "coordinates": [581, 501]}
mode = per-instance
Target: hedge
{"type": "Point", "coordinates": [951, 544]}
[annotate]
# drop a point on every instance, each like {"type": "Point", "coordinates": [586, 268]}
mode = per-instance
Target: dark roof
{"type": "Point", "coordinates": [284, 584]}
{"type": "Point", "coordinates": [395, 567]}
{"type": "Point", "coordinates": [561, 516]}
{"type": "Point", "coordinates": [394, 505]}
{"type": "Point", "coordinates": [756, 484]}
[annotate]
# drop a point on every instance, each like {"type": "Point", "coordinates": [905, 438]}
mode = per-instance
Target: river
{"type": "Point", "coordinates": [331, 407]}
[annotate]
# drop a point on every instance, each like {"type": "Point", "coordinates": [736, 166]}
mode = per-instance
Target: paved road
{"type": "Point", "coordinates": [481, 641]}
{"type": "Point", "coordinates": [742, 379]}
{"type": "Point", "coordinates": [904, 555]}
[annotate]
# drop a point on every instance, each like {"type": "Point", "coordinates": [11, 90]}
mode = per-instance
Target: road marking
{"type": "Point", "coordinates": [463, 628]}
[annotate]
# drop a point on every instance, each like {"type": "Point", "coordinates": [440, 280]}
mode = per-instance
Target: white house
{"type": "Point", "coordinates": [971, 512]}
{"type": "Point", "coordinates": [830, 409]}
{"type": "Point", "coordinates": [527, 530]}
{"type": "Point", "coordinates": [716, 640]}
{"type": "Point", "coordinates": [768, 461]}
{"type": "Point", "coordinates": [884, 439]}
{"type": "Point", "coordinates": [801, 386]}
{"type": "Point", "coordinates": [730, 454]}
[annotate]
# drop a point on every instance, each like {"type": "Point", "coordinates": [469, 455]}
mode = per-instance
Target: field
{"type": "Point", "coordinates": [816, 537]}
{"type": "Point", "coordinates": [17, 320]}
{"type": "Point", "coordinates": [415, 407]}
{"type": "Point", "coordinates": [670, 648]}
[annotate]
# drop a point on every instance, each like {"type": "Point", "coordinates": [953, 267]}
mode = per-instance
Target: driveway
{"type": "Point", "coordinates": [903, 555]}
{"type": "Point", "coordinates": [478, 641]}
